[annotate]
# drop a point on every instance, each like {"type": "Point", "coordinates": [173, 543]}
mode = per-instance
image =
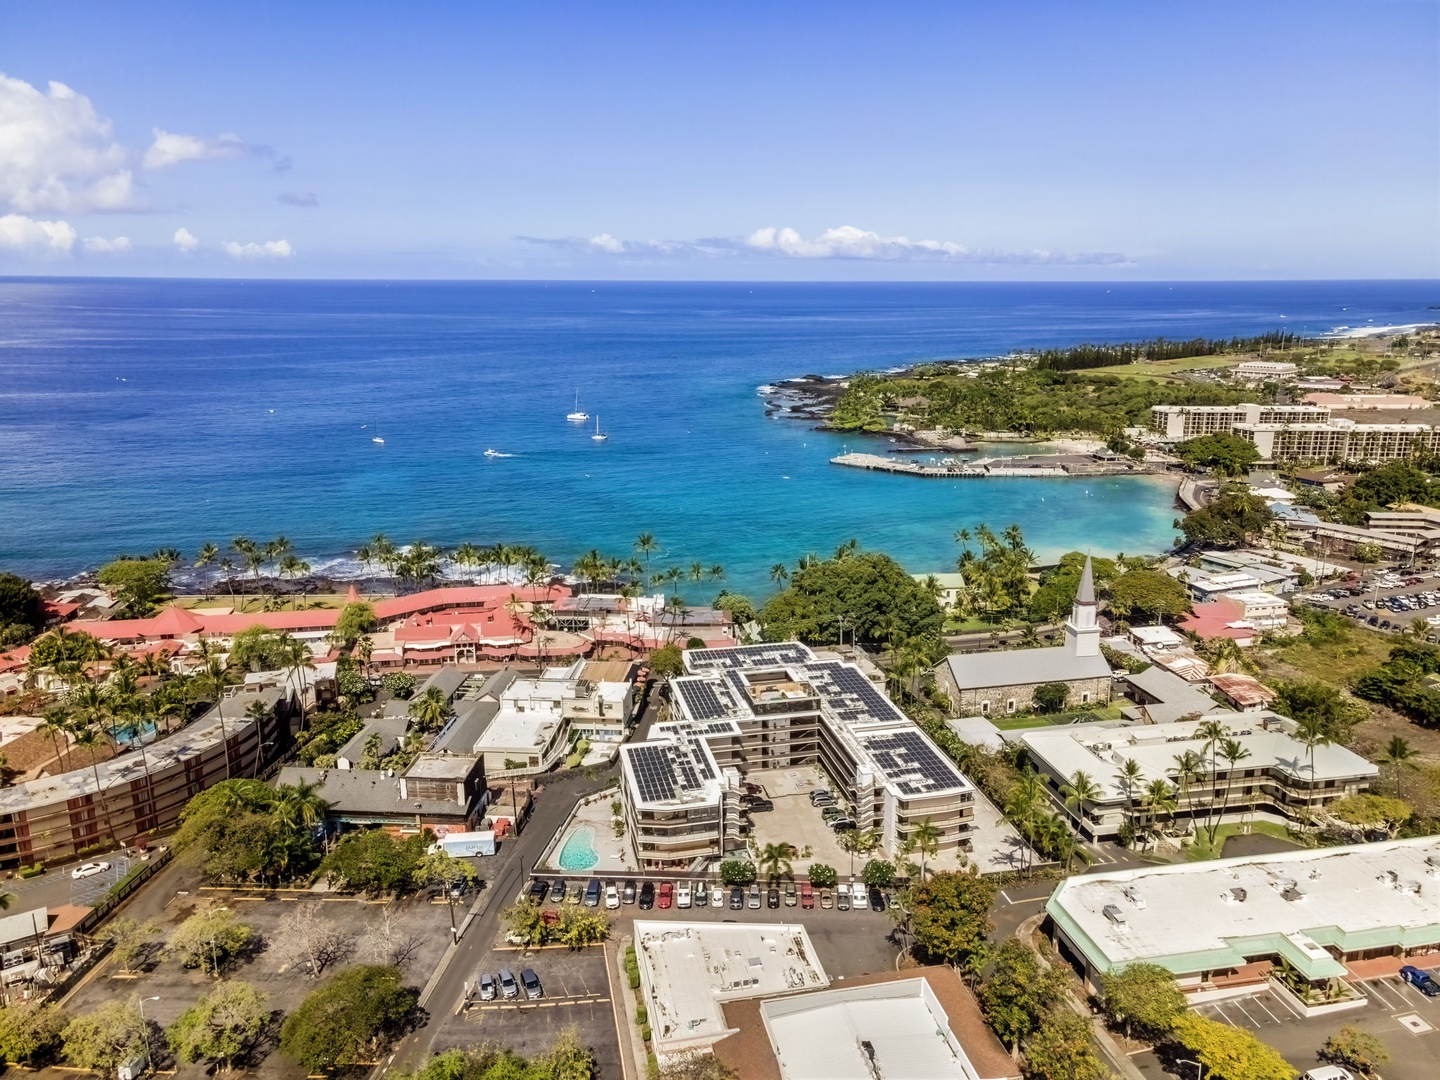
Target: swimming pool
{"type": "Point", "coordinates": [578, 852]}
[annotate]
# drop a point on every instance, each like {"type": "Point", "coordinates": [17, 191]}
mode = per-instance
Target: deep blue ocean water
{"type": "Point", "coordinates": [140, 413]}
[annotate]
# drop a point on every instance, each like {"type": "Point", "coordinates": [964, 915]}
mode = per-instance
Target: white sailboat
{"type": "Point", "coordinates": [577, 417]}
{"type": "Point", "coordinates": [599, 435]}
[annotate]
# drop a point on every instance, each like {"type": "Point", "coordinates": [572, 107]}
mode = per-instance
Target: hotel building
{"type": "Point", "coordinates": [777, 706]}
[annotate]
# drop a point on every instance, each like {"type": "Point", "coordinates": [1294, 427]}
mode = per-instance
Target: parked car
{"type": "Point", "coordinates": [760, 806]}
{"type": "Point", "coordinates": [1421, 980]}
{"type": "Point", "coordinates": [772, 898]}
{"type": "Point", "coordinates": [612, 896]}
{"type": "Point", "coordinates": [827, 901]}
{"type": "Point", "coordinates": [754, 901]}
{"type": "Point", "coordinates": [822, 798]}
{"type": "Point", "coordinates": [701, 893]}
{"type": "Point", "coordinates": [843, 824]}
{"type": "Point", "coordinates": [842, 898]}
{"type": "Point", "coordinates": [682, 895]}
{"type": "Point", "coordinates": [531, 982]}
{"type": "Point", "coordinates": [487, 986]}
{"type": "Point", "coordinates": [628, 895]}
{"type": "Point", "coordinates": [538, 891]}
{"type": "Point", "coordinates": [832, 813]}
{"type": "Point", "coordinates": [753, 789]}
{"type": "Point", "coordinates": [807, 896]}
{"type": "Point", "coordinates": [877, 900]}
{"type": "Point", "coordinates": [737, 898]}
{"type": "Point", "coordinates": [557, 891]}
{"type": "Point", "coordinates": [858, 898]}
{"type": "Point", "coordinates": [1329, 1072]}
{"type": "Point", "coordinates": [509, 989]}
{"type": "Point", "coordinates": [90, 869]}
{"type": "Point", "coordinates": [667, 895]}
{"type": "Point", "coordinates": [647, 896]}
{"type": "Point", "coordinates": [790, 895]}
{"type": "Point", "coordinates": [592, 893]}
{"type": "Point", "coordinates": [717, 896]}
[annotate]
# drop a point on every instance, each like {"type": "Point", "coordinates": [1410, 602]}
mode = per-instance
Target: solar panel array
{"type": "Point", "coordinates": [850, 695]}
{"type": "Point", "coordinates": [911, 762]}
{"type": "Point", "coordinates": [666, 772]}
{"type": "Point", "coordinates": [779, 654]}
{"type": "Point", "coordinates": [701, 701]}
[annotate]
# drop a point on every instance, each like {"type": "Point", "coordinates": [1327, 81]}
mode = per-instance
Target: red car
{"type": "Point", "coordinates": [807, 895]}
{"type": "Point", "coordinates": [667, 895]}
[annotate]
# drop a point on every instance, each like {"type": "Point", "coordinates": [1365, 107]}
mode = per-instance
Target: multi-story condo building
{"type": "Point", "coordinates": [1180, 422]}
{"type": "Point", "coordinates": [1266, 371]}
{"type": "Point", "coordinates": [1279, 774]}
{"type": "Point", "coordinates": [779, 706]}
{"type": "Point", "coordinates": [1339, 441]}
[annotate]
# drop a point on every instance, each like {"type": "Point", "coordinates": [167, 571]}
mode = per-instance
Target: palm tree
{"type": "Point", "coordinates": [216, 675]}
{"type": "Point", "coordinates": [697, 571]}
{"type": "Point", "coordinates": [1159, 798]}
{"type": "Point", "coordinates": [1233, 753]}
{"type": "Point", "coordinates": [384, 552]}
{"type": "Point", "coordinates": [208, 554]}
{"type": "Point", "coordinates": [1027, 797]}
{"type": "Point", "coordinates": [1312, 730]}
{"type": "Point", "coordinates": [1212, 732]}
{"type": "Point", "coordinates": [430, 709]}
{"type": "Point", "coordinates": [775, 861]}
{"type": "Point", "coordinates": [467, 555]}
{"type": "Point", "coordinates": [778, 572]}
{"type": "Point", "coordinates": [299, 805]}
{"type": "Point", "coordinates": [716, 572]}
{"type": "Point", "coordinates": [227, 567]}
{"type": "Point", "coordinates": [646, 545]}
{"type": "Point", "coordinates": [1129, 778]}
{"type": "Point", "coordinates": [83, 734]}
{"type": "Point", "coordinates": [1398, 755]}
{"type": "Point", "coordinates": [926, 837]}
{"type": "Point", "coordinates": [1080, 789]}
{"type": "Point", "coordinates": [857, 842]}
{"type": "Point", "coordinates": [54, 726]}
{"type": "Point", "coordinates": [1187, 770]}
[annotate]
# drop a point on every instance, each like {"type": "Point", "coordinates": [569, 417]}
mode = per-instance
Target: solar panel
{"type": "Point", "coordinates": [911, 762]}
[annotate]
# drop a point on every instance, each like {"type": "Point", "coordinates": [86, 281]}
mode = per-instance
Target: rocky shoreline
{"type": "Point", "coordinates": [813, 397]}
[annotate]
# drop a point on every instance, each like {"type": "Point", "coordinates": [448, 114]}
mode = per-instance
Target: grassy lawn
{"type": "Point", "coordinates": [1202, 848]}
{"type": "Point", "coordinates": [1166, 370]}
{"type": "Point", "coordinates": [1108, 711]}
{"type": "Point", "coordinates": [250, 603]}
{"type": "Point", "coordinates": [964, 626]}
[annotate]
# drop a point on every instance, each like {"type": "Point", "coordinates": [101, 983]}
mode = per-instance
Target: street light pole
{"type": "Point", "coordinates": [145, 1024]}
{"type": "Point", "coordinates": [1198, 1067]}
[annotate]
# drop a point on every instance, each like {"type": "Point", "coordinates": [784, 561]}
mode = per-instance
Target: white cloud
{"type": "Point", "coordinates": [185, 240]}
{"type": "Point", "coordinates": [171, 149]}
{"type": "Point", "coordinates": [56, 154]}
{"type": "Point", "coordinates": [845, 242]}
{"type": "Point", "coordinates": [304, 199]}
{"type": "Point", "coordinates": [21, 233]}
{"type": "Point", "coordinates": [98, 245]}
{"type": "Point", "coordinates": [270, 249]}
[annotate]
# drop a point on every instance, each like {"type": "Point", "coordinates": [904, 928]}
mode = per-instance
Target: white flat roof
{"type": "Point", "coordinates": [510, 729]}
{"type": "Point", "coordinates": [691, 968]}
{"type": "Point", "coordinates": [1100, 752]}
{"type": "Point", "coordinates": [895, 1029]}
{"type": "Point", "coordinates": [1354, 897]}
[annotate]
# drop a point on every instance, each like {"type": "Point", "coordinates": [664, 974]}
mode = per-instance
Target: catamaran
{"type": "Point", "coordinates": [577, 417]}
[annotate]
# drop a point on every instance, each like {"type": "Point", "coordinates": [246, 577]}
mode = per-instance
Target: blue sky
{"type": "Point", "coordinates": [822, 141]}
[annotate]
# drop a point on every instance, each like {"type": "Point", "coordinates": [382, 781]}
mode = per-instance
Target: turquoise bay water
{"type": "Point", "coordinates": [135, 414]}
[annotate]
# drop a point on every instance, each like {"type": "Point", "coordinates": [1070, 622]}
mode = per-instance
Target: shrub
{"type": "Point", "coordinates": [348, 1018]}
{"type": "Point", "coordinates": [737, 872]}
{"type": "Point", "coordinates": [642, 1014]}
{"type": "Point", "coordinates": [1355, 1049]}
{"type": "Point", "coordinates": [823, 876]}
{"type": "Point", "coordinates": [30, 871]}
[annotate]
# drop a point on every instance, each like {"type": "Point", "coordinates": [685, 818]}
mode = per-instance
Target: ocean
{"type": "Point", "coordinates": [143, 413]}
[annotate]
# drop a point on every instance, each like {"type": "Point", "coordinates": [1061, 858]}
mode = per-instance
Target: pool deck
{"type": "Point", "coordinates": [616, 855]}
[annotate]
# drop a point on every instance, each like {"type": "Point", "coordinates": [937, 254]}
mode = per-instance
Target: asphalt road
{"type": "Point", "coordinates": [513, 867]}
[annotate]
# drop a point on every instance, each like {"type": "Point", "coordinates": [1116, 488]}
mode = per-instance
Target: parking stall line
{"type": "Point", "coordinates": [1224, 1015]}
{"type": "Point", "coordinates": [1375, 989]}
{"type": "Point", "coordinates": [1245, 1013]}
{"type": "Point", "coordinates": [1268, 1013]}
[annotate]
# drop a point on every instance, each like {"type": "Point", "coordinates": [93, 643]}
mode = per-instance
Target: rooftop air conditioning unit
{"type": "Point", "coordinates": [1116, 916]}
{"type": "Point", "coordinates": [1134, 896]}
{"type": "Point", "coordinates": [1294, 893]}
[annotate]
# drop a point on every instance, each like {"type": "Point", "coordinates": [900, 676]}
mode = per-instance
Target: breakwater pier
{"type": "Point", "coordinates": [1041, 466]}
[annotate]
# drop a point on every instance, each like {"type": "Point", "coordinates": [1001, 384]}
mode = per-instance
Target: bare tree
{"type": "Point", "coordinates": [321, 943]}
{"type": "Point", "coordinates": [391, 943]}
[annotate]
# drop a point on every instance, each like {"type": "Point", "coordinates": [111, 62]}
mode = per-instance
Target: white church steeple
{"type": "Point", "coordinates": [1082, 631]}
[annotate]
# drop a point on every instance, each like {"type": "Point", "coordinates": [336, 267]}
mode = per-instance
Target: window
{"type": "Point", "coordinates": [1010, 705]}
{"type": "Point", "coordinates": [1085, 697]}
{"type": "Point", "coordinates": [984, 708]}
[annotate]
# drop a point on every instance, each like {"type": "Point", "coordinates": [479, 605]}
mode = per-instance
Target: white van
{"type": "Point", "coordinates": [1329, 1072]}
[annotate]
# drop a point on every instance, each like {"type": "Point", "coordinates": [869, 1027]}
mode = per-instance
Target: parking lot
{"type": "Point", "coordinates": [1401, 1017]}
{"type": "Point", "coordinates": [795, 821]}
{"type": "Point", "coordinates": [1385, 601]}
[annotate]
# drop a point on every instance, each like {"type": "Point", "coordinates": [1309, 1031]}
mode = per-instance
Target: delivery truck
{"type": "Point", "coordinates": [461, 844]}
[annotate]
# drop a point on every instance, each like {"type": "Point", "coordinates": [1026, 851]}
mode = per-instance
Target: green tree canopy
{"type": "Point", "coordinates": [1051, 697]}
{"type": "Point", "coordinates": [1149, 593]}
{"type": "Point", "coordinates": [374, 861]}
{"type": "Point", "coordinates": [667, 661]}
{"type": "Point", "coordinates": [258, 648]}
{"type": "Point", "coordinates": [737, 871]}
{"type": "Point", "coordinates": [19, 603]}
{"type": "Point", "coordinates": [823, 876]}
{"type": "Point", "coordinates": [349, 1018]}
{"type": "Point", "coordinates": [951, 915]}
{"type": "Point", "coordinates": [1019, 992]}
{"type": "Point", "coordinates": [1142, 998]}
{"type": "Point", "coordinates": [31, 1032]}
{"type": "Point", "coordinates": [136, 583]}
{"type": "Point", "coordinates": [870, 593]}
{"type": "Point", "coordinates": [210, 940]}
{"type": "Point", "coordinates": [1056, 595]}
{"type": "Point", "coordinates": [221, 1026]}
{"type": "Point", "coordinates": [1314, 702]}
{"type": "Point", "coordinates": [878, 873]}
{"type": "Point", "coordinates": [1230, 1053]}
{"type": "Point", "coordinates": [566, 1060]}
{"type": "Point", "coordinates": [1061, 1050]}
{"type": "Point", "coordinates": [355, 619]}
{"type": "Point", "coordinates": [105, 1037]}
{"type": "Point", "coordinates": [1223, 453]}
{"type": "Point", "coordinates": [1233, 519]}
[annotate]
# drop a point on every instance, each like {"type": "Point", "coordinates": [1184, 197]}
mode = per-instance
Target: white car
{"type": "Point", "coordinates": [717, 897]}
{"type": "Point", "coordinates": [1328, 1072]}
{"type": "Point", "coordinates": [612, 896]}
{"type": "Point", "coordinates": [90, 869]}
{"type": "Point", "coordinates": [859, 899]}
{"type": "Point", "coordinates": [682, 895]}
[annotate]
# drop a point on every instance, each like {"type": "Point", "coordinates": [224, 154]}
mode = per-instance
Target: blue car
{"type": "Point", "coordinates": [1421, 980]}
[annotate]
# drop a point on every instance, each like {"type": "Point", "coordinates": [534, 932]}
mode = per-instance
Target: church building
{"type": "Point", "coordinates": [1000, 683]}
